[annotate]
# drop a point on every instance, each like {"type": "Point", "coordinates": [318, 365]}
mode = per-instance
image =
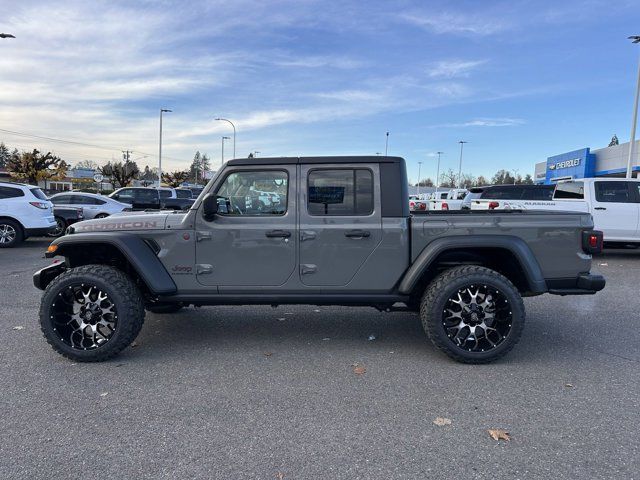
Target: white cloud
{"type": "Point", "coordinates": [454, 68]}
{"type": "Point", "coordinates": [456, 23]}
{"type": "Point", "coordinates": [484, 122]}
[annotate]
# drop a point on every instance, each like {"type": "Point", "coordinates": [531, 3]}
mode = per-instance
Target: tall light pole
{"type": "Point", "coordinates": [438, 172]}
{"type": "Point", "coordinates": [515, 172]}
{"type": "Point", "coordinates": [234, 132]}
{"type": "Point", "coordinates": [386, 145]}
{"type": "Point", "coordinates": [162, 110]}
{"type": "Point", "coordinates": [461, 142]}
{"type": "Point", "coordinates": [222, 156]}
{"type": "Point", "coordinates": [419, 168]}
{"type": "Point", "coordinates": [634, 39]}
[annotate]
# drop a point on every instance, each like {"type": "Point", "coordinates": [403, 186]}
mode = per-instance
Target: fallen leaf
{"type": "Point", "coordinates": [281, 319]}
{"type": "Point", "coordinates": [568, 385]}
{"type": "Point", "coordinates": [359, 369]}
{"type": "Point", "coordinates": [326, 338]}
{"type": "Point", "coordinates": [104, 394]}
{"type": "Point", "coordinates": [280, 476]}
{"type": "Point", "coordinates": [316, 310]}
{"type": "Point", "coordinates": [134, 344]}
{"type": "Point", "coordinates": [441, 421]}
{"type": "Point", "coordinates": [499, 434]}
{"type": "Point", "coordinates": [18, 327]}
{"type": "Point", "coordinates": [372, 337]}
{"type": "Point", "coordinates": [603, 264]}
{"type": "Point", "coordinates": [267, 354]}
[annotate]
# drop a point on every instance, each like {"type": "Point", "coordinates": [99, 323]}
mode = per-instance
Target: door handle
{"type": "Point", "coordinates": [599, 208]}
{"type": "Point", "coordinates": [357, 234]}
{"type": "Point", "coordinates": [278, 234]}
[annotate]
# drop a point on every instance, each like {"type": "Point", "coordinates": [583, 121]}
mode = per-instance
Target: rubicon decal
{"type": "Point", "coordinates": [118, 226]}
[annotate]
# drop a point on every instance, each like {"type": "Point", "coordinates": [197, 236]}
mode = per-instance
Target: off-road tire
{"type": "Point", "coordinates": [447, 284]}
{"type": "Point", "coordinates": [121, 290]}
{"type": "Point", "coordinates": [164, 308]}
{"type": "Point", "coordinates": [19, 234]}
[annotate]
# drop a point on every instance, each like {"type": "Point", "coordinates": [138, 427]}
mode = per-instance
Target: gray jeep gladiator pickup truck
{"type": "Point", "coordinates": [335, 231]}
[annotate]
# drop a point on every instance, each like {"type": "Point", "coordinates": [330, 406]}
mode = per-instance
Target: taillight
{"type": "Point", "coordinates": [493, 205]}
{"type": "Point", "coordinates": [41, 205]}
{"type": "Point", "coordinates": [80, 213]}
{"type": "Point", "coordinates": [445, 206]}
{"type": "Point", "coordinates": [592, 241]}
{"type": "Point", "coordinates": [412, 204]}
{"type": "Point", "coordinates": [422, 206]}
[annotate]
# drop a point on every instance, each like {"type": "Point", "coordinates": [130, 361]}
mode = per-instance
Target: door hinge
{"type": "Point", "coordinates": [204, 269]}
{"type": "Point", "coordinates": [200, 236]}
{"type": "Point", "coordinates": [308, 268]}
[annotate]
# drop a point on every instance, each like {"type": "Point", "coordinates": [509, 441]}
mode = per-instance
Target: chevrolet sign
{"type": "Point", "coordinates": [565, 164]}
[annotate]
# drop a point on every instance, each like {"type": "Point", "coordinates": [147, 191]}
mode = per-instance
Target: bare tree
{"type": "Point", "coordinates": [120, 173]}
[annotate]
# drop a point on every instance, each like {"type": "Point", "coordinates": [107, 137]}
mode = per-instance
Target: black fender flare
{"type": "Point", "coordinates": [134, 249]}
{"type": "Point", "coordinates": [517, 246]}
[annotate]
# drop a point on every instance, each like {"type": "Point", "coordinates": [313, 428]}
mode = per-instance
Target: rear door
{"type": "Point", "coordinates": [615, 209]}
{"type": "Point", "coordinates": [340, 221]}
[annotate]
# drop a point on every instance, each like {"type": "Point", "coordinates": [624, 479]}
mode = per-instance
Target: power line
{"type": "Point", "coordinates": [72, 142]}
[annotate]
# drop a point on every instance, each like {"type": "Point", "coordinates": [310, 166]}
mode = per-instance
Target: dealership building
{"type": "Point", "coordinates": [587, 163]}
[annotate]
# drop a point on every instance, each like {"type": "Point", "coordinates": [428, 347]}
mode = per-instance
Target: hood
{"type": "Point", "coordinates": [121, 223]}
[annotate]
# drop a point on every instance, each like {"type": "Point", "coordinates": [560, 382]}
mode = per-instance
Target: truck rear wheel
{"type": "Point", "coordinates": [473, 314]}
{"type": "Point", "coordinates": [91, 313]}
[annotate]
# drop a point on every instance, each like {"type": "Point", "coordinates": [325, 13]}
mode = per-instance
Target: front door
{"type": "Point", "coordinates": [340, 221]}
{"type": "Point", "coordinates": [615, 209]}
{"type": "Point", "coordinates": [252, 240]}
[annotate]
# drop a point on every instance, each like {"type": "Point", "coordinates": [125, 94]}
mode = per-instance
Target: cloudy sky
{"type": "Point", "coordinates": [519, 80]}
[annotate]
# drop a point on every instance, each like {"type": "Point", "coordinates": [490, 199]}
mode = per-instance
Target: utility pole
{"type": "Point", "coordinates": [222, 156]}
{"type": "Point", "coordinates": [162, 110]}
{"type": "Point", "coordinates": [461, 142]}
{"type": "Point", "coordinates": [634, 121]}
{"type": "Point", "coordinates": [386, 145]}
{"type": "Point", "coordinates": [438, 172]}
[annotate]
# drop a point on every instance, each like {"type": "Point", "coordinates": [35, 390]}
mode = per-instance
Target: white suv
{"type": "Point", "coordinates": [25, 211]}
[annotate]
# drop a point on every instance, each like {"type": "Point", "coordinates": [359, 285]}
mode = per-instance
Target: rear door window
{"type": "Point", "coordinates": [502, 193]}
{"type": "Point", "coordinates": [340, 192]}
{"type": "Point", "coordinates": [569, 190]}
{"type": "Point", "coordinates": [540, 193]}
{"type": "Point", "coordinates": [614, 192]}
{"type": "Point", "coordinates": [10, 192]}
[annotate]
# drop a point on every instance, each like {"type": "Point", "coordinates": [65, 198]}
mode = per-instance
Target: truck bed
{"type": "Point", "coordinates": [554, 237]}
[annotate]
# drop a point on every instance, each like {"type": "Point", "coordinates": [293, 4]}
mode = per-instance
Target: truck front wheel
{"type": "Point", "coordinates": [91, 313]}
{"type": "Point", "coordinates": [473, 314]}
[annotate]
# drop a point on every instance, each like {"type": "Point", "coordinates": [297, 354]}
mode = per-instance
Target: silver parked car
{"type": "Point", "coordinates": [93, 205]}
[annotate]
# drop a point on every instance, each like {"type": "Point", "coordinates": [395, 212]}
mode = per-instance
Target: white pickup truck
{"type": "Point", "coordinates": [614, 204]}
{"type": "Point", "coordinates": [451, 200]}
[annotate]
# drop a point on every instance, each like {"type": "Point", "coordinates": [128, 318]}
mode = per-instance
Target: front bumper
{"type": "Point", "coordinates": [585, 284]}
{"type": "Point", "coordinates": [40, 232]}
{"type": "Point", "coordinates": [43, 277]}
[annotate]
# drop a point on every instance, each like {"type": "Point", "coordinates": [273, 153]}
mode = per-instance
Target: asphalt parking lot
{"type": "Point", "coordinates": [257, 392]}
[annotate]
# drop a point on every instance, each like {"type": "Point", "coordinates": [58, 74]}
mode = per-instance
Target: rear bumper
{"type": "Point", "coordinates": [585, 284]}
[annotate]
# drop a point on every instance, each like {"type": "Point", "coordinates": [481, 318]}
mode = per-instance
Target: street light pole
{"type": "Point", "coordinates": [219, 119]}
{"type": "Point", "coordinates": [222, 156]}
{"type": "Point", "coordinates": [634, 39]}
{"type": "Point", "coordinates": [438, 172]}
{"type": "Point", "coordinates": [419, 168]}
{"type": "Point", "coordinates": [386, 145]}
{"type": "Point", "coordinates": [162, 110]}
{"type": "Point", "coordinates": [461, 142]}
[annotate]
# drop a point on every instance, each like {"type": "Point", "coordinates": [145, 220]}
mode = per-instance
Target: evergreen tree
{"type": "Point", "coordinates": [4, 155]}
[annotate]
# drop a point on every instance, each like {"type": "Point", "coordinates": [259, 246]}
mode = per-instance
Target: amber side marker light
{"type": "Point", "coordinates": [52, 248]}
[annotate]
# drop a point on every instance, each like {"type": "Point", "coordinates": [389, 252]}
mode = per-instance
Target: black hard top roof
{"type": "Point", "coordinates": [296, 160]}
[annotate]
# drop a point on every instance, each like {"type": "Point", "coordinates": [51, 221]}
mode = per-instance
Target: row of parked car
{"type": "Point", "coordinates": [614, 203]}
{"type": "Point", "coordinates": [26, 211]}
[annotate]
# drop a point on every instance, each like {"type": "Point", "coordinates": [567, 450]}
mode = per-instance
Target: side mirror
{"type": "Point", "coordinates": [115, 196]}
{"type": "Point", "coordinates": [209, 206]}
